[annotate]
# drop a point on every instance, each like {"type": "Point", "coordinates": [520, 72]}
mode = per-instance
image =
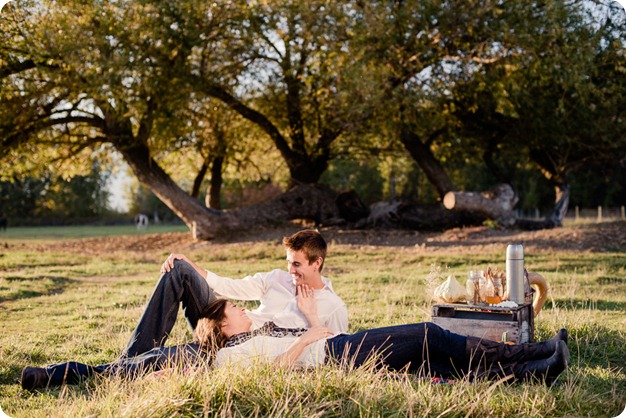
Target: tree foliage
{"type": "Point", "coordinates": [184, 90]}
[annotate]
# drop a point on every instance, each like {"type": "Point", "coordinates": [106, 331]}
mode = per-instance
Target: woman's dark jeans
{"type": "Point", "coordinates": [425, 348]}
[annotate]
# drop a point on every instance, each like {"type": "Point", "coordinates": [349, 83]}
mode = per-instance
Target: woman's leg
{"type": "Point", "coordinates": [429, 348]}
{"type": "Point", "coordinates": [183, 285]}
{"type": "Point", "coordinates": [545, 369]}
{"type": "Point", "coordinates": [482, 350]}
{"type": "Point", "coordinates": [422, 347]}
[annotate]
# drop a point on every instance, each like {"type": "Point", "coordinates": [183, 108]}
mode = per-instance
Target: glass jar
{"type": "Point", "coordinates": [476, 287]}
{"type": "Point", "coordinates": [493, 291]}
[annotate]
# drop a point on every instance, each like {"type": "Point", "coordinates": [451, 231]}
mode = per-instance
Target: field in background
{"type": "Point", "coordinates": [56, 232]}
{"type": "Point", "coordinates": [78, 298]}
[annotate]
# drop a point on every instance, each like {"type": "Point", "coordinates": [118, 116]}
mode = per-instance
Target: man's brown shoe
{"type": "Point", "coordinates": [34, 378]}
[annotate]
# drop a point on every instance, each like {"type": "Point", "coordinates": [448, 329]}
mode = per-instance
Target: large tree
{"type": "Point", "coordinates": [298, 80]}
{"type": "Point", "coordinates": [557, 100]}
{"type": "Point", "coordinates": [135, 78]}
{"type": "Point", "coordinates": [475, 78]}
{"type": "Point", "coordinates": [122, 74]}
{"type": "Point", "coordinates": [75, 77]}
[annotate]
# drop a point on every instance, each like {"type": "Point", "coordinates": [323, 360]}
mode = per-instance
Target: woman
{"type": "Point", "coordinates": [420, 348]}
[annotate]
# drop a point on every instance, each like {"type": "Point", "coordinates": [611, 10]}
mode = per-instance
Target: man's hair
{"type": "Point", "coordinates": [310, 242]}
{"type": "Point", "coordinates": [208, 332]}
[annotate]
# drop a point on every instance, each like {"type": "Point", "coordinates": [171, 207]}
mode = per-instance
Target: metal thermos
{"type": "Point", "coordinates": [515, 273]}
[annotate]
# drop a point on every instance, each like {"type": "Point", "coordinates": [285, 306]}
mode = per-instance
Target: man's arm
{"type": "Point", "coordinates": [169, 264]}
{"type": "Point", "coordinates": [338, 319]}
{"type": "Point", "coordinates": [248, 288]}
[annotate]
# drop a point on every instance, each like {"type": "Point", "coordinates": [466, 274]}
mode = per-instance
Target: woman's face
{"type": "Point", "coordinates": [235, 320]}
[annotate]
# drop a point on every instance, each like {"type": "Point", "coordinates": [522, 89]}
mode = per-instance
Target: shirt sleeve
{"type": "Point", "coordinates": [337, 322]}
{"type": "Point", "coordinates": [248, 288]}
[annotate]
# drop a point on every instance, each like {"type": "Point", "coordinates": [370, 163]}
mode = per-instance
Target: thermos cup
{"type": "Point", "coordinates": [515, 273]}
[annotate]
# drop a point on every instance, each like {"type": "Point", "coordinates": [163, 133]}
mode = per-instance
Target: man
{"type": "Point", "coordinates": [183, 282]}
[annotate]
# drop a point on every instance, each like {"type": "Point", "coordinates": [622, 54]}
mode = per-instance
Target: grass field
{"type": "Point", "coordinates": [76, 302]}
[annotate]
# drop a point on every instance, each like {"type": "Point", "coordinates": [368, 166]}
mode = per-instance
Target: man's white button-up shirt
{"type": "Point", "coordinates": [277, 294]}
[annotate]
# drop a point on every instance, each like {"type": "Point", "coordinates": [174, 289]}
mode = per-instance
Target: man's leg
{"type": "Point", "coordinates": [183, 285]}
{"type": "Point", "coordinates": [74, 372]}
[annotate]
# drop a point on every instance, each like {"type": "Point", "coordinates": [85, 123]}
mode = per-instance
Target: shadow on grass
{"type": "Point", "coordinates": [11, 374]}
{"type": "Point", "coordinates": [32, 287]}
{"type": "Point", "coordinates": [576, 303]}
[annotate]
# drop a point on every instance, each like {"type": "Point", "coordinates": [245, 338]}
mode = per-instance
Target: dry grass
{"type": "Point", "coordinates": [58, 304]}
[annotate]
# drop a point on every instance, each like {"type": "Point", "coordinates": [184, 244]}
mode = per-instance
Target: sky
{"type": "Point", "coordinates": [117, 186]}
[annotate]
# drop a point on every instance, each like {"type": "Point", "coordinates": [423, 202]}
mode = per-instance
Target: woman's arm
{"type": "Point", "coordinates": [307, 305]}
{"type": "Point", "coordinates": [295, 350]}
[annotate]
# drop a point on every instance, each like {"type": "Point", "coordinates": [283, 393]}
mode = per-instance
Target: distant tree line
{"type": "Point", "coordinates": [51, 199]}
{"type": "Point", "coordinates": [406, 100]}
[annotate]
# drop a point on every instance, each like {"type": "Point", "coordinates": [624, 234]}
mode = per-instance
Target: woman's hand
{"type": "Point", "coordinates": [314, 334]}
{"type": "Point", "coordinates": [307, 304]}
{"type": "Point", "coordinates": [295, 350]}
{"type": "Point", "coordinates": [169, 262]}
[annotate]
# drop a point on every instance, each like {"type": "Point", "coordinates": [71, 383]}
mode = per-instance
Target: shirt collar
{"type": "Point", "coordinates": [327, 285]}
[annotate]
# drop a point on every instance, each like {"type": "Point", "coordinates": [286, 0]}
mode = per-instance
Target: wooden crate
{"type": "Point", "coordinates": [488, 322]}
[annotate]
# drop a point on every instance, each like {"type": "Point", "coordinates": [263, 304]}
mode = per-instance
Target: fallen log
{"type": "Point", "coordinates": [496, 203]}
{"type": "Point", "coordinates": [406, 215]}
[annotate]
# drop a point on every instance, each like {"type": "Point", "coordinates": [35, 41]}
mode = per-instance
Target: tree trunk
{"type": "Point", "coordinates": [557, 177]}
{"type": "Point", "coordinates": [306, 201]}
{"type": "Point", "coordinates": [215, 188]}
{"type": "Point", "coordinates": [424, 157]}
{"type": "Point", "coordinates": [197, 182]}
{"type": "Point", "coordinates": [495, 204]}
{"type": "Point", "coordinates": [303, 168]}
{"type": "Point", "coordinates": [401, 214]}
{"type": "Point", "coordinates": [148, 172]}
{"type": "Point", "coordinates": [555, 219]}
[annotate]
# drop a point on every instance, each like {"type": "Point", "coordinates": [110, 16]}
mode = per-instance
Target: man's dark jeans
{"type": "Point", "coordinates": [156, 359]}
{"type": "Point", "coordinates": [145, 350]}
{"type": "Point", "coordinates": [182, 284]}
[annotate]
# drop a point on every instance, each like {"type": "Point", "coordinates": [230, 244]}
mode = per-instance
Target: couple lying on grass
{"type": "Point", "coordinates": [300, 321]}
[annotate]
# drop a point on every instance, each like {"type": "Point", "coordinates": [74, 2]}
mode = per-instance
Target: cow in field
{"type": "Point", "coordinates": [141, 221]}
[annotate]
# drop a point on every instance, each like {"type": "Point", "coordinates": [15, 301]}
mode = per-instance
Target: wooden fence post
{"type": "Point", "coordinates": [599, 214]}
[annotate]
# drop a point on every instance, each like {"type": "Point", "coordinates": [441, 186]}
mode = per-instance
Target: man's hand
{"type": "Point", "coordinates": [307, 304]}
{"type": "Point", "coordinates": [169, 262]}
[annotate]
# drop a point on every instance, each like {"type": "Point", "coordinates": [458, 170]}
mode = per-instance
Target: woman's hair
{"type": "Point", "coordinates": [208, 333]}
{"type": "Point", "coordinates": [310, 242]}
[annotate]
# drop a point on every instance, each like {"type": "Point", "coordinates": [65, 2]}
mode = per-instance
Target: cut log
{"type": "Point", "coordinates": [400, 214]}
{"type": "Point", "coordinates": [496, 204]}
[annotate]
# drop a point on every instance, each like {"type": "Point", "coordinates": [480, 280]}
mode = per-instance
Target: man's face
{"type": "Point", "coordinates": [301, 271]}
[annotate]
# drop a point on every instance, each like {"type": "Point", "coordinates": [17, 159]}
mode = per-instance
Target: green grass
{"type": "Point", "coordinates": [58, 232]}
{"type": "Point", "coordinates": [57, 306]}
